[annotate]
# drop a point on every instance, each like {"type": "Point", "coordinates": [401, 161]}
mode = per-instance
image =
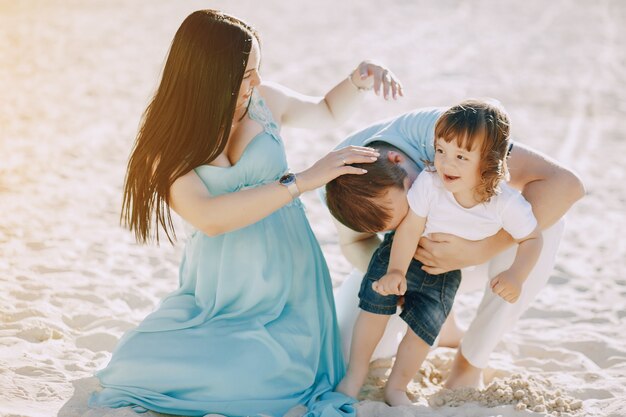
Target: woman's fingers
{"type": "Point", "coordinates": [363, 71]}
{"type": "Point", "coordinates": [396, 88]}
{"type": "Point", "coordinates": [347, 169]}
{"type": "Point", "coordinates": [378, 80]}
{"type": "Point", "coordinates": [356, 159]}
{"type": "Point", "coordinates": [356, 155]}
{"type": "Point", "coordinates": [385, 81]}
{"type": "Point", "coordinates": [395, 85]}
{"type": "Point", "coordinates": [359, 150]}
{"type": "Point", "coordinates": [391, 85]}
{"type": "Point", "coordinates": [334, 164]}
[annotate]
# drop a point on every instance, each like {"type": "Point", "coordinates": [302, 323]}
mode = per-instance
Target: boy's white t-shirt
{"type": "Point", "coordinates": [507, 210]}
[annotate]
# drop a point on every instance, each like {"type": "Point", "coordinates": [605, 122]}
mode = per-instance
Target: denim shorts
{"type": "Point", "coordinates": [427, 301]}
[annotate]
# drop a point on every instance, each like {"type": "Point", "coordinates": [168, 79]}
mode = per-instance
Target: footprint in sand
{"type": "Point", "coordinates": [26, 296]}
{"type": "Point", "coordinates": [73, 367]}
{"type": "Point", "coordinates": [79, 321]}
{"type": "Point", "coordinates": [134, 301]}
{"type": "Point", "coordinates": [39, 334]}
{"type": "Point", "coordinates": [556, 359]}
{"type": "Point", "coordinates": [41, 269]}
{"type": "Point", "coordinates": [83, 296]}
{"type": "Point", "coordinates": [37, 245]}
{"type": "Point", "coordinates": [600, 352]}
{"type": "Point", "coordinates": [114, 326]}
{"type": "Point", "coordinates": [538, 313]}
{"type": "Point", "coordinates": [558, 280]}
{"type": "Point", "coordinates": [39, 372]}
{"type": "Point", "coordinates": [97, 342]}
{"type": "Point", "coordinates": [35, 287]}
{"type": "Point", "coordinates": [20, 315]}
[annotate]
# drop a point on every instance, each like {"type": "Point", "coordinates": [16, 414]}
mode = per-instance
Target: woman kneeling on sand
{"type": "Point", "coordinates": [251, 329]}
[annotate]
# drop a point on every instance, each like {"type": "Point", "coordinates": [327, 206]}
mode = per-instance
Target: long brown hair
{"type": "Point", "coordinates": [188, 121]}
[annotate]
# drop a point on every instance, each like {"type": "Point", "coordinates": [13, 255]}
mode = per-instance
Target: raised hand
{"type": "Point", "coordinates": [370, 74]}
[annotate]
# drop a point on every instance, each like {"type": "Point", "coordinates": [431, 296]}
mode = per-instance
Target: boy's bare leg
{"type": "Point", "coordinates": [451, 334]}
{"type": "Point", "coordinates": [368, 330]}
{"type": "Point", "coordinates": [411, 353]}
{"type": "Point", "coordinates": [464, 374]}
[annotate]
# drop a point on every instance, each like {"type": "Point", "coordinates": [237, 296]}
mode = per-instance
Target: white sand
{"type": "Point", "coordinates": [75, 77]}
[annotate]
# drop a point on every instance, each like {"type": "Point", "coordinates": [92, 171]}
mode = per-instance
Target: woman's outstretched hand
{"type": "Point", "coordinates": [370, 74]}
{"type": "Point", "coordinates": [334, 164]}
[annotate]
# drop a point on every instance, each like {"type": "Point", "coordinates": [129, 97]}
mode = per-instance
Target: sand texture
{"type": "Point", "coordinates": [75, 77]}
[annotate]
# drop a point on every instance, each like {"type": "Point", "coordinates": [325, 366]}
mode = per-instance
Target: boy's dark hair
{"type": "Point", "coordinates": [354, 199]}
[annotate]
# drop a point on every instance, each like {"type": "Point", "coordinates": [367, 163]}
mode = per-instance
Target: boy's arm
{"type": "Point", "coordinates": [405, 242]}
{"type": "Point", "coordinates": [358, 247]}
{"type": "Point", "coordinates": [402, 251]}
{"type": "Point", "coordinates": [550, 188]}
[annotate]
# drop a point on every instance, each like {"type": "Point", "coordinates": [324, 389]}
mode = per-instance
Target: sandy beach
{"type": "Point", "coordinates": [75, 77]}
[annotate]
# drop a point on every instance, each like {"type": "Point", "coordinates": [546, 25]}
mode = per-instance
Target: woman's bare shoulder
{"type": "Point", "coordinates": [277, 97]}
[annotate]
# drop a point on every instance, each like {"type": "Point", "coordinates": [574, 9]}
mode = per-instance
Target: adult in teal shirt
{"type": "Point", "coordinates": [406, 141]}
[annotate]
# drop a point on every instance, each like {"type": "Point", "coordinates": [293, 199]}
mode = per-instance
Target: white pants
{"type": "Point", "coordinates": [493, 317]}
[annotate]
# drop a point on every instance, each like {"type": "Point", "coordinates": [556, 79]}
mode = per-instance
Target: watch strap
{"type": "Point", "coordinates": [289, 181]}
{"type": "Point", "coordinates": [293, 190]}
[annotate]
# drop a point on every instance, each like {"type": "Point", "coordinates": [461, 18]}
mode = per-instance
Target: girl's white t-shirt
{"type": "Point", "coordinates": [507, 210]}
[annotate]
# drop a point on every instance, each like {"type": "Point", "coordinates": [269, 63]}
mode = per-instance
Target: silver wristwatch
{"type": "Point", "coordinates": [289, 181]}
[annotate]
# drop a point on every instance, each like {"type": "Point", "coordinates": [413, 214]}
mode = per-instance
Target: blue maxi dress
{"type": "Point", "coordinates": [251, 330]}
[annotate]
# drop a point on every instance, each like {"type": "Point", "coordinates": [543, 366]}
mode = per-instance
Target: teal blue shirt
{"type": "Point", "coordinates": [411, 132]}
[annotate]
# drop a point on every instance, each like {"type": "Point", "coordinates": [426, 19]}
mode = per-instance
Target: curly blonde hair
{"type": "Point", "coordinates": [485, 121]}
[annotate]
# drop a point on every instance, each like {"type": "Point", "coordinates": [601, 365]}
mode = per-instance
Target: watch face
{"type": "Point", "coordinates": [287, 179]}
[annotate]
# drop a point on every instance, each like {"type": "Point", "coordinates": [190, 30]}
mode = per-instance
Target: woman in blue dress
{"type": "Point", "coordinates": [251, 329]}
